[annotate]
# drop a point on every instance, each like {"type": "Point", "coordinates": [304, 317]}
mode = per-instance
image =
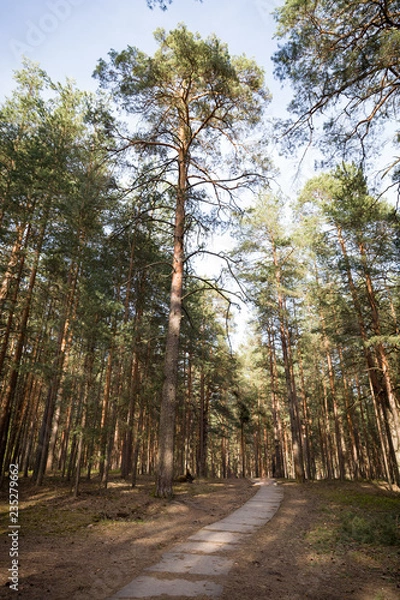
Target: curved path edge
{"type": "Point", "coordinates": [198, 566]}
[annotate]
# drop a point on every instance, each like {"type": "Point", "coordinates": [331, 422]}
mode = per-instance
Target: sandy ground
{"type": "Point", "coordinates": [290, 561]}
{"type": "Point", "coordinates": [89, 548]}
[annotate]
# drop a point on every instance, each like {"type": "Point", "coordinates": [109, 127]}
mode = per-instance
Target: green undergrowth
{"type": "Point", "coordinates": [353, 515]}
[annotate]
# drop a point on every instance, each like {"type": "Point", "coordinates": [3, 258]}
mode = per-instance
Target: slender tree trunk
{"type": "Point", "coordinates": [203, 422]}
{"type": "Point", "coordinates": [223, 473]}
{"type": "Point", "coordinates": [366, 447]}
{"type": "Point", "coordinates": [356, 457]}
{"type": "Point", "coordinates": [310, 463]}
{"type": "Point", "coordinates": [324, 450]}
{"type": "Point", "coordinates": [31, 434]}
{"type": "Point", "coordinates": [59, 362]}
{"type": "Point", "coordinates": [327, 433]}
{"type": "Point", "coordinates": [65, 437]}
{"type": "Point", "coordinates": [127, 445]}
{"type": "Point", "coordinates": [290, 380]}
{"type": "Point", "coordinates": [79, 453]}
{"type": "Point", "coordinates": [188, 414]}
{"type": "Point", "coordinates": [165, 470]}
{"type": "Point", "coordinates": [242, 450]}
{"type": "Point", "coordinates": [6, 408]}
{"type": "Point", "coordinates": [375, 386]}
{"type": "Point", "coordinates": [104, 424]}
{"type": "Point", "coordinates": [138, 441]}
{"type": "Point", "coordinates": [337, 424]}
{"type": "Point", "coordinates": [279, 469]}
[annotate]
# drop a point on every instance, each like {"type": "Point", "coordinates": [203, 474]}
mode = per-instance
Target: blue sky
{"type": "Point", "coordinates": [68, 37]}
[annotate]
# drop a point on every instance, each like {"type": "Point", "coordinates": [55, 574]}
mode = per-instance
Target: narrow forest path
{"type": "Point", "coordinates": [198, 567]}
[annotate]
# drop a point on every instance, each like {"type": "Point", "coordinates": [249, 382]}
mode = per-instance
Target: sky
{"type": "Point", "coordinates": [68, 37]}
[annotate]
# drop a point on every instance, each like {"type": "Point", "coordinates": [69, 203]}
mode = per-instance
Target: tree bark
{"type": "Point", "coordinates": [59, 362]}
{"type": "Point", "coordinates": [392, 411]}
{"type": "Point", "coordinates": [279, 467]}
{"type": "Point", "coordinates": [332, 385]}
{"type": "Point", "coordinates": [290, 380]}
{"type": "Point", "coordinates": [6, 408]}
{"type": "Point", "coordinates": [372, 369]}
{"type": "Point", "coordinates": [309, 455]}
{"type": "Point", "coordinates": [165, 470]}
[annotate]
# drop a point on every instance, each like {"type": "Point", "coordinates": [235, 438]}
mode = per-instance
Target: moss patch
{"type": "Point", "coordinates": [352, 515]}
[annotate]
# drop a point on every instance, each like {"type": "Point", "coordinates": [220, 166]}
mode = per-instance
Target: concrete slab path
{"type": "Point", "coordinates": [198, 566]}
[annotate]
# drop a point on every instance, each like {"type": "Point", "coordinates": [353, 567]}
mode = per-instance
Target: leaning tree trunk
{"type": "Point", "coordinates": [391, 410]}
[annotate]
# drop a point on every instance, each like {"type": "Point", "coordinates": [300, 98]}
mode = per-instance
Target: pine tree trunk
{"type": "Point", "coordinates": [290, 383]}
{"type": "Point", "coordinates": [372, 369]}
{"type": "Point", "coordinates": [6, 407]}
{"type": "Point", "coordinates": [165, 470]}
{"type": "Point", "coordinates": [327, 435]}
{"type": "Point", "coordinates": [188, 416]}
{"type": "Point", "coordinates": [127, 446]}
{"type": "Point", "coordinates": [138, 442]}
{"type": "Point", "coordinates": [392, 413]}
{"type": "Point", "coordinates": [203, 418]}
{"type": "Point", "coordinates": [337, 424]}
{"type": "Point", "coordinates": [104, 424]}
{"type": "Point", "coordinates": [279, 469]}
{"type": "Point", "coordinates": [356, 457]}
{"type": "Point", "coordinates": [309, 456]}
{"type": "Point", "coordinates": [59, 362]}
{"type": "Point", "coordinates": [366, 446]}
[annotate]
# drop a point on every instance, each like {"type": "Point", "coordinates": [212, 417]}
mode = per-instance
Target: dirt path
{"type": "Point", "coordinates": [200, 566]}
{"type": "Point", "coordinates": [90, 548]}
{"type": "Point", "coordinates": [87, 549]}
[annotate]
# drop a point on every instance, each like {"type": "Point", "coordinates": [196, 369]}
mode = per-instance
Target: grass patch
{"type": "Point", "coordinates": [355, 515]}
{"type": "Point", "coordinates": [365, 527]}
{"type": "Point", "coordinates": [52, 511]}
{"type": "Point", "coordinates": [323, 538]}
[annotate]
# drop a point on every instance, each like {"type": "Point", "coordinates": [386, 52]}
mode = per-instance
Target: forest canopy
{"type": "Point", "coordinates": [115, 354]}
{"type": "Point", "coordinates": [342, 59]}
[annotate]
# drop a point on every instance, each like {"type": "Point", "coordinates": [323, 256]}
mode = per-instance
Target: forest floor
{"type": "Point", "coordinates": [328, 541]}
